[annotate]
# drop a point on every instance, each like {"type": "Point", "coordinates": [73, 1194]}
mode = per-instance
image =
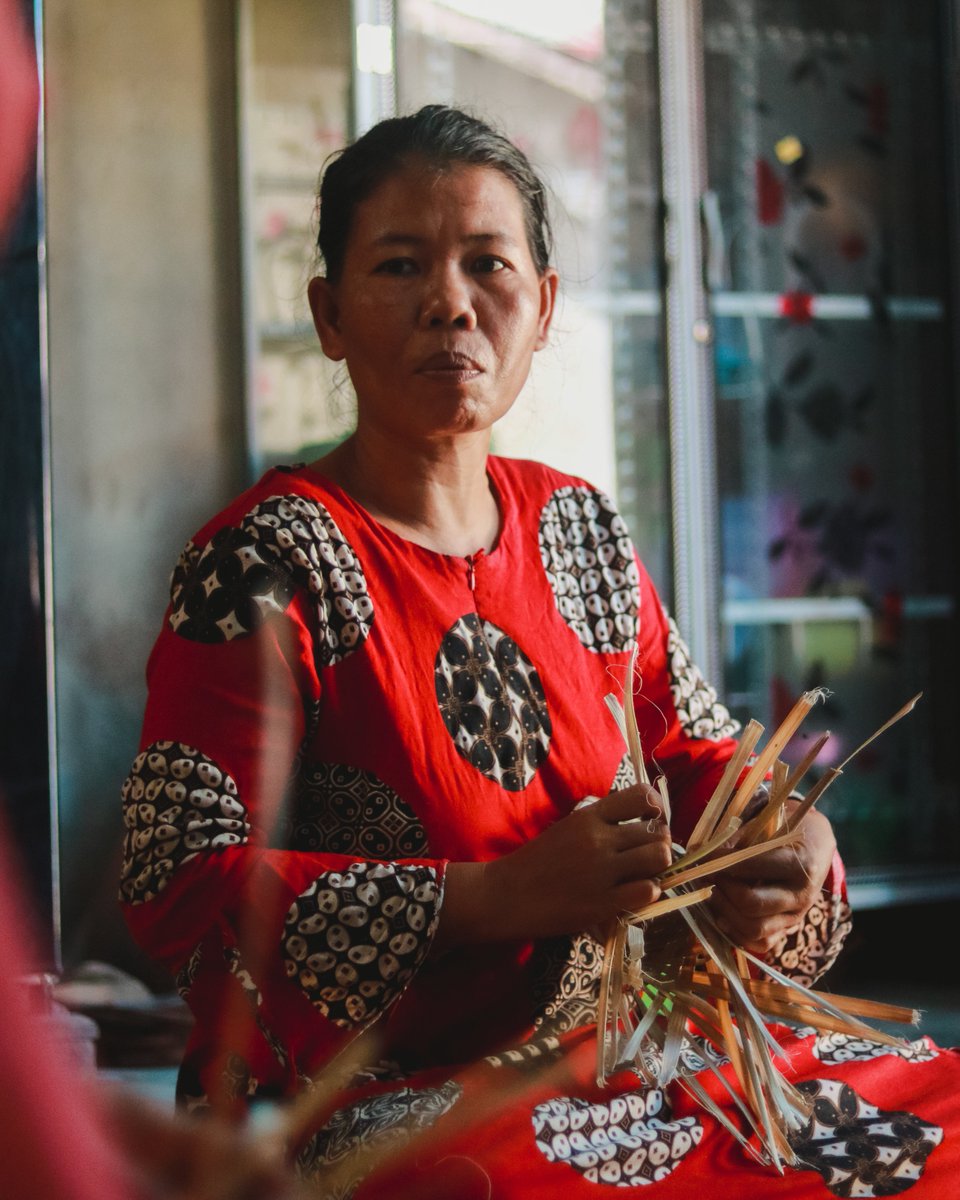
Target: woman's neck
{"type": "Point", "coordinates": [436, 495]}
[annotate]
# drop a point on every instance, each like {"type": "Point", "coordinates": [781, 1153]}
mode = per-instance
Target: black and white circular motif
{"type": "Point", "coordinates": [353, 939]}
{"type": "Point", "coordinates": [304, 536]}
{"type": "Point", "coordinates": [628, 1141]}
{"type": "Point", "coordinates": [588, 557]}
{"type": "Point", "coordinates": [838, 1048]}
{"type": "Point", "coordinates": [346, 810]}
{"type": "Point", "coordinates": [492, 702]}
{"type": "Point", "coordinates": [566, 988]}
{"type": "Point", "coordinates": [858, 1149]}
{"type": "Point", "coordinates": [700, 713]}
{"type": "Point", "coordinates": [368, 1128]}
{"type": "Point", "coordinates": [246, 574]}
{"type": "Point", "coordinates": [176, 802]}
{"type": "Point", "coordinates": [226, 590]}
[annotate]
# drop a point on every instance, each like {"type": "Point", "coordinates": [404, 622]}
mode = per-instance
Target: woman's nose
{"type": "Point", "coordinates": [448, 301]}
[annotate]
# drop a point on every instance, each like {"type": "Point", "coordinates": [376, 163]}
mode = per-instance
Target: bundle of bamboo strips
{"type": "Point", "coordinates": [669, 970]}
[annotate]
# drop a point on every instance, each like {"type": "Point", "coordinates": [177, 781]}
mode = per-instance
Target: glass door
{"type": "Point", "coordinates": [295, 85]}
{"type": "Point", "coordinates": [828, 242]}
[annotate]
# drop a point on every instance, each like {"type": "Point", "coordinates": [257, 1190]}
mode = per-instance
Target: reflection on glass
{"type": "Point", "coordinates": [535, 70]}
{"type": "Point", "coordinates": [295, 75]}
{"type": "Point", "coordinates": [828, 261]}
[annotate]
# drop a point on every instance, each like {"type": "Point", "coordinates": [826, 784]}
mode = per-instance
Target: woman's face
{"type": "Point", "coordinates": [439, 306]}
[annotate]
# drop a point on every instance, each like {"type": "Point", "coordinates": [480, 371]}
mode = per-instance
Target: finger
{"type": "Point", "coordinates": [753, 901]}
{"type": "Point", "coordinates": [785, 866]}
{"type": "Point", "coordinates": [640, 800]}
{"type": "Point", "coordinates": [762, 946]}
{"type": "Point", "coordinates": [642, 862]}
{"type": "Point", "coordinates": [761, 933]}
{"type": "Point", "coordinates": [632, 897]}
{"type": "Point", "coordinates": [630, 834]}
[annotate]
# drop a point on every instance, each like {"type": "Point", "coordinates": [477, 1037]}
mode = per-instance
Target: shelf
{"type": "Point", "coordinates": [797, 610]}
{"type": "Point", "coordinates": [770, 305]}
{"type": "Point", "coordinates": [884, 887]}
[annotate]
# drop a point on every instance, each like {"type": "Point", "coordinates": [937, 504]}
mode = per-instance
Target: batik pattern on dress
{"type": "Point", "coordinates": [176, 803]}
{"type": "Point", "coordinates": [254, 998]}
{"type": "Point", "coordinates": [187, 975]}
{"type": "Point", "coordinates": [835, 1049]}
{"type": "Point", "coordinates": [628, 1141]}
{"type": "Point", "coordinates": [625, 775]}
{"type": "Point", "coordinates": [567, 974]}
{"type": "Point", "coordinates": [811, 950]}
{"type": "Point", "coordinates": [858, 1149]}
{"type": "Point", "coordinates": [354, 939]}
{"type": "Point", "coordinates": [355, 1139]}
{"type": "Point", "coordinates": [700, 713]}
{"type": "Point", "coordinates": [228, 589]}
{"type": "Point", "coordinates": [238, 1079]}
{"type": "Point", "coordinates": [588, 557]}
{"type": "Point", "coordinates": [492, 702]}
{"type": "Point", "coordinates": [248, 573]}
{"type": "Point", "coordinates": [341, 809]}
{"type": "Point", "coordinates": [531, 1056]}
{"type": "Point", "coordinates": [696, 1055]}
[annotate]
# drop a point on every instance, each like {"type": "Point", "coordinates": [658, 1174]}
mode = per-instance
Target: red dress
{"type": "Point", "coordinates": [334, 714]}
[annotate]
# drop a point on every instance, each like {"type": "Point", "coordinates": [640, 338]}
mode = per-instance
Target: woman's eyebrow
{"type": "Point", "coordinates": [398, 238]}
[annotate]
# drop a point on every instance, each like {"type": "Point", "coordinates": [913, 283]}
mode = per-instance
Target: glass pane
{"type": "Point", "coordinates": [296, 80]}
{"type": "Point", "coordinates": [829, 258]}
{"type": "Point", "coordinates": [535, 70]}
{"type": "Point", "coordinates": [635, 225]}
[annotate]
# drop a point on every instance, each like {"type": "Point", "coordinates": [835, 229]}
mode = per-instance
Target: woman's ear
{"type": "Point", "coordinates": [549, 282]}
{"type": "Point", "coordinates": [326, 316]}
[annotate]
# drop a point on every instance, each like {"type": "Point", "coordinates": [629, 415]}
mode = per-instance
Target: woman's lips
{"type": "Point", "coordinates": [450, 365]}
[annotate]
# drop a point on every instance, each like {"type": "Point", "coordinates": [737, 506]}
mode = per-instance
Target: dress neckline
{"type": "Point", "coordinates": [500, 496]}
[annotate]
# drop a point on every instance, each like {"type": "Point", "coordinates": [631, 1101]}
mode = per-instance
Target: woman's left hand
{"type": "Point", "coordinates": [758, 901]}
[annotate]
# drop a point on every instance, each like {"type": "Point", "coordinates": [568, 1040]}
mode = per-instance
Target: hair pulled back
{"type": "Point", "coordinates": [441, 138]}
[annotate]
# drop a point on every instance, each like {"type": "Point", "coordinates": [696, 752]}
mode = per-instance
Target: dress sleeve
{"type": "Point", "coordinates": [314, 946]}
{"type": "Point", "coordinates": [813, 949]}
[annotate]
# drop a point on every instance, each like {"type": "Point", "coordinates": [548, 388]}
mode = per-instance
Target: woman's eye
{"type": "Point", "coordinates": [488, 263]}
{"type": "Point", "coordinates": [397, 266]}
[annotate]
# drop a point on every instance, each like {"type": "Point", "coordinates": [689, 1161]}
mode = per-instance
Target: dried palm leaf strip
{"type": "Point", "coordinates": [766, 989]}
{"type": "Point", "coordinates": [660, 908]}
{"type": "Point", "coordinates": [719, 839]}
{"type": "Point", "coordinates": [711, 815]}
{"type": "Point", "coordinates": [771, 751]}
{"type": "Point", "coordinates": [633, 733]}
{"type": "Point", "coordinates": [810, 799]}
{"type": "Point", "coordinates": [907, 708]}
{"type": "Point", "coordinates": [688, 874]}
{"type": "Point", "coordinates": [805, 763]}
{"type": "Point", "coordinates": [611, 988]}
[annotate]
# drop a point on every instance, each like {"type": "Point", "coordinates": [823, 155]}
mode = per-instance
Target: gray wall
{"type": "Point", "coordinates": [146, 380]}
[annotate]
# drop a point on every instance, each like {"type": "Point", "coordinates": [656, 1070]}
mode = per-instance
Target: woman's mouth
{"type": "Point", "coordinates": [450, 365]}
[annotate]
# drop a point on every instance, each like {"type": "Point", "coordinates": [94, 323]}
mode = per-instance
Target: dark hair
{"type": "Point", "coordinates": [442, 137]}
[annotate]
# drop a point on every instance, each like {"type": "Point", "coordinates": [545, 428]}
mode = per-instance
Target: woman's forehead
{"type": "Point", "coordinates": [422, 201]}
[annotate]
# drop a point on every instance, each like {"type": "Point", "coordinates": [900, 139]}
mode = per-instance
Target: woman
{"type": "Point", "coordinates": [391, 665]}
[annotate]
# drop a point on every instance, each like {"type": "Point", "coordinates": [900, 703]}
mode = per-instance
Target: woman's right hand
{"type": "Point", "coordinates": [595, 864]}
